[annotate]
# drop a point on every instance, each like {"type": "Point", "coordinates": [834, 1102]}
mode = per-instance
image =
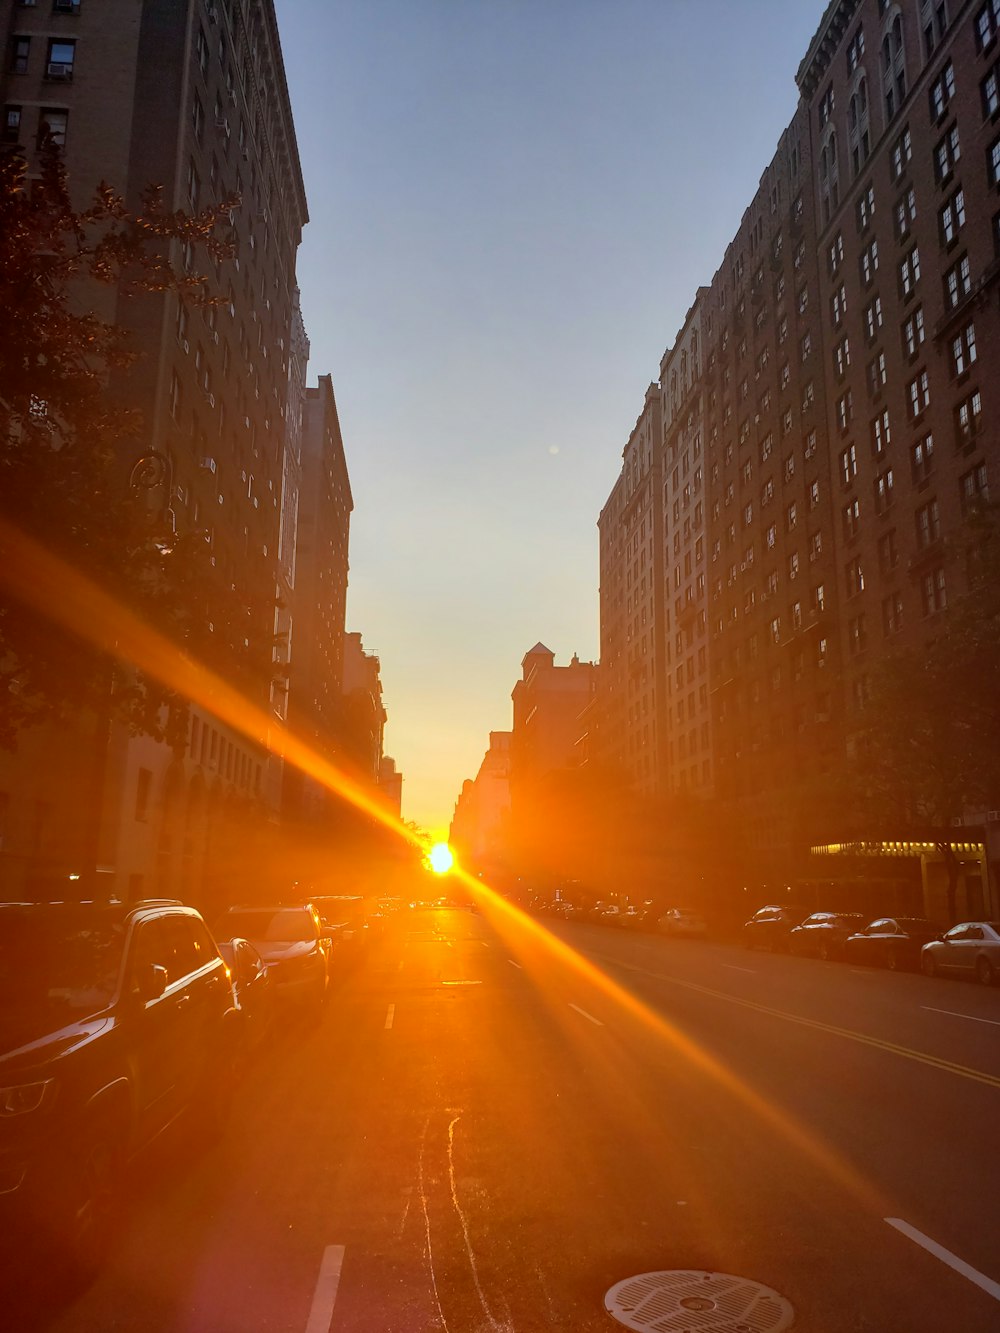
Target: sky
{"type": "Point", "coordinates": [512, 203]}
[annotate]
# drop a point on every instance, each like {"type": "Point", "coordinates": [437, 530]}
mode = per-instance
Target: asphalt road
{"type": "Point", "coordinates": [494, 1125]}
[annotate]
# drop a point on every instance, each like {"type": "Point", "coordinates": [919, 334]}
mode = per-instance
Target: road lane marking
{"type": "Point", "coordinates": [952, 1260]}
{"type": "Point", "coordinates": [733, 967]}
{"type": "Point", "coordinates": [390, 1014]}
{"type": "Point", "coordinates": [461, 983]}
{"type": "Point", "coordinates": [325, 1295]}
{"type": "Point", "coordinates": [953, 1014]}
{"type": "Point", "coordinates": [907, 1052]}
{"type": "Point", "coordinates": [594, 1020]}
{"type": "Point", "coordinates": [517, 965]}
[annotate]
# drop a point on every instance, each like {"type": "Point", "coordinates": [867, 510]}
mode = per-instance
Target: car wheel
{"type": "Point", "coordinates": [928, 965]}
{"type": "Point", "coordinates": [90, 1225]}
{"type": "Point", "coordinates": [984, 971]}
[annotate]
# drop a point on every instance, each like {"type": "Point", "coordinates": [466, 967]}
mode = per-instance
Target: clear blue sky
{"type": "Point", "coordinates": [512, 203]}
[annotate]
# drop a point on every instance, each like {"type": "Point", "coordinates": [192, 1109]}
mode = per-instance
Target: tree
{"type": "Point", "coordinates": [75, 471]}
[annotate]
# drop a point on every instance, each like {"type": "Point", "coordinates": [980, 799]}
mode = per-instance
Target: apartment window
{"type": "Point", "coordinates": [902, 152]}
{"type": "Point", "coordinates": [842, 358]}
{"type": "Point", "coordinates": [786, 376]}
{"type": "Point", "coordinates": [20, 52]}
{"type": "Point", "coordinates": [963, 350]}
{"type": "Point", "coordinates": [748, 514]}
{"type": "Point", "coordinates": [957, 283]}
{"type": "Point", "coordinates": [906, 213]}
{"type": "Point", "coordinates": [815, 547]}
{"type": "Point", "coordinates": [175, 396]}
{"type": "Point", "coordinates": [836, 253]}
{"type": "Point", "coordinates": [928, 524]}
{"type": "Point", "coordinates": [11, 124]}
{"type": "Point", "coordinates": [793, 565]}
{"type": "Point", "coordinates": [53, 121]}
{"type": "Point", "coordinates": [947, 153]}
{"type": "Point", "coordinates": [854, 578]}
{"type": "Point", "coordinates": [775, 629]}
{"type": "Point", "coordinates": [909, 273]}
{"type": "Point", "coordinates": [193, 186]}
{"type": "Point", "coordinates": [989, 90]}
{"type": "Point", "coordinates": [791, 517]}
{"type": "Point", "coordinates": [888, 552]}
{"type": "Point", "coordinates": [869, 264]}
{"type": "Point", "coordinates": [968, 418]}
{"type": "Point", "coordinates": [59, 65]}
{"type": "Point", "coordinates": [826, 105]}
{"type": "Point", "coordinates": [845, 410]}
{"type": "Point", "coordinates": [851, 517]}
{"type": "Point", "coordinates": [771, 536]}
{"type": "Point", "coordinates": [986, 23]}
{"type": "Point", "coordinates": [765, 446]}
{"type": "Point", "coordinates": [848, 464]}
{"type": "Point", "coordinates": [877, 375]}
{"type": "Point", "coordinates": [866, 208]}
{"type": "Point", "coordinates": [838, 305]}
{"type": "Point", "coordinates": [880, 433]}
{"type": "Point", "coordinates": [893, 68]}
{"type": "Point", "coordinates": [883, 491]}
{"type": "Point", "coordinates": [767, 492]}
{"type": "Point", "coordinates": [919, 394]}
{"type": "Point", "coordinates": [818, 598]}
{"type": "Point", "coordinates": [198, 122]}
{"type": "Point", "coordinates": [805, 346]}
{"type": "Point", "coordinates": [803, 300]}
{"type": "Point", "coordinates": [809, 448]}
{"type": "Point", "coordinates": [857, 635]}
{"type": "Point", "coordinates": [973, 489]}
{"type": "Point", "coordinates": [922, 459]}
{"type": "Point", "coordinates": [952, 218]}
{"type": "Point", "coordinates": [873, 318]}
{"type": "Point", "coordinates": [892, 614]}
{"type": "Point", "coordinates": [932, 590]}
{"type": "Point", "coordinates": [913, 332]}
{"type": "Point", "coordinates": [855, 50]}
{"type": "Point", "coordinates": [942, 90]}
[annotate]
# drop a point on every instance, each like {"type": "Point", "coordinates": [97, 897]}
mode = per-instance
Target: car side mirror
{"type": "Point", "coordinates": [152, 982]}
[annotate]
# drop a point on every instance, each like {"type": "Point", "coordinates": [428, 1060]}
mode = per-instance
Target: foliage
{"type": "Point", "coordinates": [69, 443]}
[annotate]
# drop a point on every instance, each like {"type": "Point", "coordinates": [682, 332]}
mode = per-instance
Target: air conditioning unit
{"type": "Point", "coordinates": [56, 70]}
{"type": "Point", "coordinates": [65, 6]}
{"type": "Point", "coordinates": [208, 465]}
{"type": "Point", "coordinates": [957, 821]}
{"type": "Point", "coordinates": [993, 816]}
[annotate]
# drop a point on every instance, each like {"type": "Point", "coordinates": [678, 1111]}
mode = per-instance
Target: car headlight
{"type": "Point", "coordinates": [23, 1098]}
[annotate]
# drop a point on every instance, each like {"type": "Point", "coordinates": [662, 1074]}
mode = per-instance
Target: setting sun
{"type": "Point", "coordinates": [440, 858]}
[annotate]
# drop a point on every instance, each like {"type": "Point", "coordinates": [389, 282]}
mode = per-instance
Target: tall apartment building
{"type": "Point", "coordinates": [631, 599]}
{"type": "Point", "coordinates": [548, 704]}
{"type": "Point", "coordinates": [904, 108]}
{"type": "Point", "coordinates": [191, 96]}
{"type": "Point", "coordinates": [484, 801]}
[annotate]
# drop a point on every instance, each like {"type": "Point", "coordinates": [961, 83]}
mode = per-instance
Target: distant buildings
{"type": "Point", "coordinates": [477, 827]}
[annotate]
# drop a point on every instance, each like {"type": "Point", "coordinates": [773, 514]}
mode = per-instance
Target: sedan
{"type": "Point", "coordinates": [769, 927]}
{"type": "Point", "coordinates": [292, 944]}
{"type": "Point", "coordinates": [891, 941]}
{"type": "Point", "coordinates": [682, 922]}
{"type": "Point", "coordinates": [970, 949]}
{"type": "Point", "coordinates": [823, 934]}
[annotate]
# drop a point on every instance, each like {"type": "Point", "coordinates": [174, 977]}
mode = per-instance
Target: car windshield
{"type": "Point", "coordinates": [339, 911]}
{"type": "Point", "coordinates": [58, 963]}
{"type": "Point", "coordinates": [275, 927]}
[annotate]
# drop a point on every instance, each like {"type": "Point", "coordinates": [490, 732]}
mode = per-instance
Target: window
{"type": "Point", "coordinates": [851, 517]}
{"type": "Point", "coordinates": [928, 524]}
{"type": "Point", "coordinates": [989, 90]}
{"type": "Point", "coordinates": [909, 273]}
{"type": "Point", "coordinates": [919, 394]}
{"type": "Point", "coordinates": [842, 358]}
{"type": "Point", "coordinates": [902, 152]}
{"type": "Point", "coordinates": [942, 90]}
{"type": "Point", "coordinates": [906, 213]}
{"type": "Point", "coordinates": [946, 154]}
{"type": "Point", "coordinates": [932, 591]}
{"type": "Point", "coordinates": [845, 410]}
{"type": "Point", "coordinates": [11, 131]}
{"type": "Point", "coordinates": [968, 418]}
{"type": "Point", "coordinates": [877, 375]}
{"type": "Point", "coordinates": [854, 578]}
{"type": "Point", "coordinates": [20, 51]}
{"type": "Point", "coordinates": [201, 50]}
{"type": "Point", "coordinates": [957, 283]}
{"type": "Point", "coordinates": [786, 375]}
{"type": "Point", "coordinates": [809, 447]}
{"type": "Point", "coordinates": [848, 464]}
{"type": "Point", "coordinates": [838, 305]}
{"type": "Point", "coordinates": [857, 636]}
{"type": "Point", "coordinates": [818, 598]}
{"type": "Point", "coordinates": [963, 350]}
{"type": "Point", "coordinates": [883, 491]}
{"type": "Point", "coordinates": [793, 565]}
{"type": "Point", "coordinates": [986, 22]}
{"type": "Point", "coordinates": [973, 489]}
{"type": "Point", "coordinates": [803, 300]}
{"type": "Point", "coordinates": [806, 345]}
{"type": "Point", "coordinates": [866, 208]}
{"type": "Point", "coordinates": [858, 137]}
{"type": "Point", "coordinates": [869, 264]}
{"type": "Point", "coordinates": [52, 121]}
{"type": "Point", "coordinates": [993, 162]}
{"type": "Point", "coordinates": [922, 459]}
{"type": "Point", "coordinates": [815, 547]}
{"type": "Point", "coordinates": [913, 332]}
{"type": "Point", "coordinates": [888, 552]}
{"type": "Point", "coordinates": [893, 68]}
{"type": "Point", "coordinates": [836, 253]}
{"type": "Point", "coordinates": [791, 517]}
{"type": "Point", "coordinates": [952, 218]}
{"type": "Point", "coordinates": [771, 536]}
{"type": "Point", "coordinates": [873, 318]}
{"type": "Point", "coordinates": [59, 66]}
{"type": "Point", "coordinates": [826, 105]}
{"type": "Point", "coordinates": [855, 50]}
{"type": "Point", "coordinates": [892, 614]}
{"type": "Point", "coordinates": [880, 433]}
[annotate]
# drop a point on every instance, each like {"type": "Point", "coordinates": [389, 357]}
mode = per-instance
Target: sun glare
{"type": "Point", "coordinates": [440, 858]}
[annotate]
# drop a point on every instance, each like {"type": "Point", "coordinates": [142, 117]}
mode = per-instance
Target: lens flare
{"type": "Point", "coordinates": [440, 858]}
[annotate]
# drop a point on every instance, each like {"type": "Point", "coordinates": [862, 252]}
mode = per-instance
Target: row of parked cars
{"type": "Point", "coordinates": [679, 921]}
{"type": "Point", "coordinates": [971, 948]}
{"type": "Point", "coordinates": [118, 1019]}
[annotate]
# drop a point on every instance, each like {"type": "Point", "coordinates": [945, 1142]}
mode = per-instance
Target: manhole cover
{"type": "Point", "coordinates": [686, 1301]}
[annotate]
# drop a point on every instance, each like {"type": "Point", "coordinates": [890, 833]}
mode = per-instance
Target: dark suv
{"type": "Point", "coordinates": [114, 1020]}
{"type": "Point", "coordinates": [769, 928]}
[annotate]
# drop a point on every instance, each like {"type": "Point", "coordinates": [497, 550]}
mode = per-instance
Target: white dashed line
{"type": "Point", "coordinates": [517, 965]}
{"type": "Point", "coordinates": [325, 1295]}
{"type": "Point", "coordinates": [734, 968]}
{"type": "Point", "coordinates": [952, 1260]}
{"type": "Point", "coordinates": [390, 1015]}
{"type": "Point", "coordinates": [954, 1014]}
{"type": "Point", "coordinates": [591, 1017]}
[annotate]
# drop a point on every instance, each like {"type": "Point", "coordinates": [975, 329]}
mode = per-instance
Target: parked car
{"type": "Point", "coordinates": [891, 941]}
{"type": "Point", "coordinates": [293, 945]}
{"type": "Point", "coordinates": [823, 934]}
{"type": "Point", "coordinates": [344, 917]}
{"type": "Point", "coordinates": [682, 922]}
{"type": "Point", "coordinates": [970, 949]}
{"type": "Point", "coordinates": [253, 987]}
{"type": "Point", "coordinates": [114, 1021]}
{"type": "Point", "coordinates": [769, 927]}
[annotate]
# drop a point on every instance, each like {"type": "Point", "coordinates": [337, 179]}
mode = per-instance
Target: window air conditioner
{"type": "Point", "coordinates": [208, 465]}
{"type": "Point", "coordinates": [58, 70]}
{"type": "Point", "coordinates": [993, 816]}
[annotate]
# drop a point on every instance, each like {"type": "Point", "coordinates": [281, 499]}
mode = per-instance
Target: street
{"type": "Point", "coordinates": [494, 1124]}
